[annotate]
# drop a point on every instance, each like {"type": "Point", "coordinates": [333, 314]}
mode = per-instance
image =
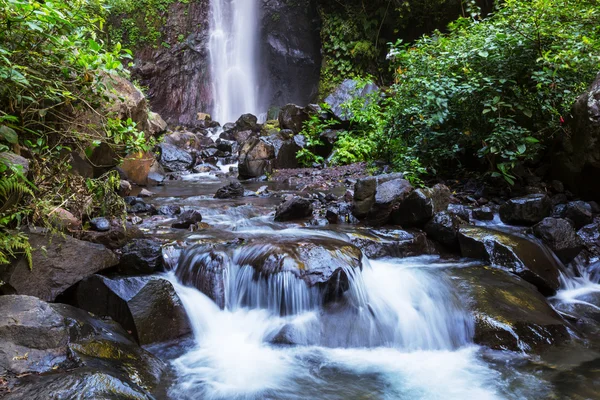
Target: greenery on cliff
{"type": "Point", "coordinates": [55, 83]}
{"type": "Point", "coordinates": [492, 92]}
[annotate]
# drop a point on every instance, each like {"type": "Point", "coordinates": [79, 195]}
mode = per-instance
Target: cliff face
{"type": "Point", "coordinates": [291, 52]}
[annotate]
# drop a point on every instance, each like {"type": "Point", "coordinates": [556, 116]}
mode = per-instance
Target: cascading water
{"type": "Point", "coordinates": [232, 49]}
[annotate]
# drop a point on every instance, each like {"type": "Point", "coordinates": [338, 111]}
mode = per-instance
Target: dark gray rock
{"type": "Point", "coordinates": [421, 205]}
{"type": "Point", "coordinates": [255, 158]}
{"type": "Point", "coordinates": [483, 214]}
{"type": "Point", "coordinates": [175, 159]}
{"type": "Point", "coordinates": [58, 262]}
{"type": "Point", "coordinates": [346, 92]}
{"type": "Point", "coordinates": [187, 219]}
{"type": "Point", "coordinates": [294, 208]}
{"type": "Point", "coordinates": [233, 190]}
{"type": "Point", "coordinates": [100, 224]}
{"type": "Point", "coordinates": [285, 145]}
{"type": "Point", "coordinates": [169, 210]}
{"type": "Point", "coordinates": [579, 212]}
{"type": "Point", "coordinates": [526, 210]}
{"type": "Point", "coordinates": [559, 235]}
{"type": "Point", "coordinates": [443, 228]}
{"type": "Point", "coordinates": [141, 256]}
{"type": "Point", "coordinates": [376, 196]}
{"type": "Point", "coordinates": [292, 117]}
{"type": "Point", "coordinates": [590, 235]}
{"type": "Point", "coordinates": [519, 255]}
{"type": "Point", "coordinates": [14, 160]}
{"type": "Point", "coordinates": [392, 243]}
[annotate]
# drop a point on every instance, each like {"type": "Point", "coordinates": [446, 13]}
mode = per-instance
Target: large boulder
{"type": "Point", "coordinates": [420, 206]}
{"type": "Point", "coordinates": [375, 197]}
{"type": "Point", "coordinates": [510, 314]}
{"type": "Point", "coordinates": [392, 243]}
{"type": "Point", "coordinates": [188, 141]}
{"type": "Point", "coordinates": [58, 262]}
{"type": "Point", "coordinates": [288, 267]}
{"type": "Point", "coordinates": [148, 307]}
{"type": "Point", "coordinates": [292, 117]}
{"type": "Point", "coordinates": [559, 235]}
{"type": "Point", "coordinates": [286, 146]}
{"type": "Point", "coordinates": [443, 228]}
{"type": "Point", "coordinates": [577, 163]}
{"type": "Point", "coordinates": [346, 92]}
{"type": "Point", "coordinates": [175, 159]}
{"type": "Point", "coordinates": [527, 210]}
{"type": "Point", "coordinates": [522, 256]}
{"type": "Point", "coordinates": [37, 337]}
{"type": "Point", "coordinates": [579, 212]}
{"type": "Point", "coordinates": [294, 208]}
{"type": "Point", "coordinates": [255, 158]}
{"type": "Point", "coordinates": [141, 256]}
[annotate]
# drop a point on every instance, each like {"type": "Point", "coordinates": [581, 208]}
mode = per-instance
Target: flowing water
{"type": "Point", "coordinates": [233, 51]}
{"type": "Point", "coordinates": [400, 331]}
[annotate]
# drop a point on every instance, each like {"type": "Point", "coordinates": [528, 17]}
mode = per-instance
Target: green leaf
{"type": "Point", "coordinates": [8, 134]}
{"type": "Point", "coordinates": [521, 148]}
{"type": "Point", "coordinates": [530, 139]}
{"type": "Point", "coordinates": [528, 113]}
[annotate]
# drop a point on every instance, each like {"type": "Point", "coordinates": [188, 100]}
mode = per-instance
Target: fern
{"type": "Point", "coordinates": [12, 245]}
{"type": "Point", "coordinates": [12, 189]}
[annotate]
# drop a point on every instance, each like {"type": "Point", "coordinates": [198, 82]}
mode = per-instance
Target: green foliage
{"type": "Point", "coordinates": [126, 135]}
{"type": "Point", "coordinates": [498, 89]}
{"type": "Point", "coordinates": [104, 193]}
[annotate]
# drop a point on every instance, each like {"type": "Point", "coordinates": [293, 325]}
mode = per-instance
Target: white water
{"type": "Point", "coordinates": [404, 335]}
{"type": "Point", "coordinates": [233, 48]}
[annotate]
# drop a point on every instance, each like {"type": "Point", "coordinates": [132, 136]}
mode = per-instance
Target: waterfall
{"type": "Point", "coordinates": [233, 48]}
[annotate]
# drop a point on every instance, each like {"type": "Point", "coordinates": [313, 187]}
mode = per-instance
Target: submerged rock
{"type": "Point", "coordinates": [519, 255]}
{"type": "Point", "coordinates": [526, 210]}
{"type": "Point", "coordinates": [510, 314]}
{"type": "Point", "coordinates": [294, 208]}
{"type": "Point", "coordinates": [58, 262]}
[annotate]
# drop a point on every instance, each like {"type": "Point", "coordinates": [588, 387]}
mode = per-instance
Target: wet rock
{"type": "Point", "coordinates": [392, 243]}
{"type": "Point", "coordinates": [189, 141]}
{"type": "Point", "coordinates": [145, 193]}
{"type": "Point", "coordinates": [175, 159]}
{"type": "Point", "coordinates": [141, 256]}
{"type": "Point", "coordinates": [443, 227]}
{"type": "Point", "coordinates": [116, 237]}
{"type": "Point", "coordinates": [148, 307]}
{"type": "Point", "coordinates": [420, 206]}
{"type": "Point", "coordinates": [483, 214]}
{"type": "Point", "coordinates": [100, 224]}
{"type": "Point", "coordinates": [510, 314]}
{"type": "Point", "coordinates": [124, 188]}
{"type": "Point", "coordinates": [346, 92]}
{"type": "Point", "coordinates": [37, 337]}
{"type": "Point", "coordinates": [187, 219]}
{"type": "Point", "coordinates": [526, 210]}
{"type": "Point", "coordinates": [255, 159]}
{"type": "Point", "coordinates": [138, 206]}
{"type": "Point", "coordinates": [247, 122]}
{"type": "Point", "coordinates": [559, 235]}
{"type": "Point", "coordinates": [58, 262]}
{"type": "Point", "coordinates": [169, 210]}
{"type": "Point", "coordinates": [233, 190]}
{"type": "Point", "coordinates": [285, 146]}
{"type": "Point", "coordinates": [376, 197]}
{"type": "Point", "coordinates": [63, 220]}
{"type": "Point", "coordinates": [340, 213]}
{"type": "Point", "coordinates": [294, 208]}
{"type": "Point", "coordinates": [204, 267]}
{"type": "Point", "coordinates": [328, 139]}
{"type": "Point", "coordinates": [590, 235]}
{"type": "Point", "coordinates": [579, 212]}
{"type": "Point", "coordinates": [519, 255]}
{"type": "Point", "coordinates": [292, 117]}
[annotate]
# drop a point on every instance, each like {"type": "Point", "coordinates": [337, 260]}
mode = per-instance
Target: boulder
{"type": "Point", "coordinates": [346, 92]}
{"type": "Point", "coordinates": [148, 307]}
{"type": "Point", "coordinates": [328, 139]}
{"type": "Point", "coordinates": [340, 213]}
{"type": "Point", "coordinates": [187, 219]}
{"type": "Point", "coordinates": [577, 161]}
{"type": "Point", "coordinates": [420, 206]}
{"type": "Point", "coordinates": [233, 190]}
{"type": "Point", "coordinates": [522, 256]}
{"type": "Point", "coordinates": [189, 141]}
{"type": "Point", "coordinates": [255, 158]}
{"type": "Point", "coordinates": [292, 117]}
{"type": "Point", "coordinates": [510, 314]}
{"type": "Point", "coordinates": [590, 236]}
{"type": "Point", "coordinates": [63, 220]}
{"type": "Point", "coordinates": [58, 262]}
{"type": "Point", "coordinates": [141, 256]}
{"type": "Point", "coordinates": [169, 210]}
{"type": "Point", "coordinates": [100, 224]}
{"type": "Point", "coordinates": [392, 243]}
{"type": "Point", "coordinates": [247, 122]}
{"type": "Point", "coordinates": [116, 237]}
{"type": "Point", "coordinates": [375, 197]}
{"type": "Point", "coordinates": [559, 235]}
{"type": "Point", "coordinates": [156, 125]}
{"type": "Point", "coordinates": [11, 159]}
{"type": "Point", "coordinates": [285, 145]}
{"type": "Point", "coordinates": [579, 212]}
{"type": "Point", "coordinates": [37, 337]}
{"type": "Point", "coordinates": [526, 210]}
{"type": "Point", "coordinates": [294, 208]}
{"type": "Point", "coordinates": [443, 228]}
{"type": "Point", "coordinates": [174, 159]}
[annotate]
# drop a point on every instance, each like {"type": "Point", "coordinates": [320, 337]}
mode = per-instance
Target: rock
{"type": "Point", "coordinates": [576, 163]}
{"type": "Point", "coordinates": [526, 210]}
{"type": "Point", "coordinates": [590, 235]}
{"type": "Point", "coordinates": [124, 188]}
{"type": "Point", "coordinates": [175, 159]}
{"type": "Point", "coordinates": [148, 307]}
{"type": "Point", "coordinates": [443, 227]}
{"type": "Point", "coordinates": [510, 314]}
{"type": "Point", "coordinates": [559, 235]}
{"type": "Point", "coordinates": [145, 193]}
{"type": "Point", "coordinates": [37, 337]}
{"type": "Point", "coordinates": [255, 159]}
{"type": "Point", "coordinates": [189, 141]}
{"type": "Point", "coordinates": [169, 210]}
{"type": "Point", "coordinates": [116, 237]}
{"type": "Point", "coordinates": [483, 214]}
{"type": "Point", "coordinates": [157, 125]}
{"type": "Point", "coordinates": [63, 220]}
{"type": "Point", "coordinates": [141, 256]}
{"type": "Point", "coordinates": [293, 262]}
{"type": "Point", "coordinates": [346, 92]}
{"type": "Point", "coordinates": [142, 169]}
{"type": "Point", "coordinates": [294, 208]}
{"type": "Point", "coordinates": [292, 117]}
{"type": "Point", "coordinates": [579, 212]}
{"type": "Point", "coordinates": [392, 243]}
{"type": "Point", "coordinates": [247, 122]}
{"type": "Point", "coordinates": [328, 139]}
{"type": "Point", "coordinates": [233, 190]}
{"type": "Point", "coordinates": [420, 206]}
{"type": "Point", "coordinates": [187, 219]}
{"type": "Point", "coordinates": [340, 213]}
{"type": "Point", "coordinates": [376, 196]}
{"type": "Point", "coordinates": [100, 224]}
{"type": "Point", "coordinates": [58, 262]}
{"type": "Point", "coordinates": [519, 255]}
{"type": "Point", "coordinates": [285, 146]}
{"type": "Point", "coordinates": [16, 161]}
